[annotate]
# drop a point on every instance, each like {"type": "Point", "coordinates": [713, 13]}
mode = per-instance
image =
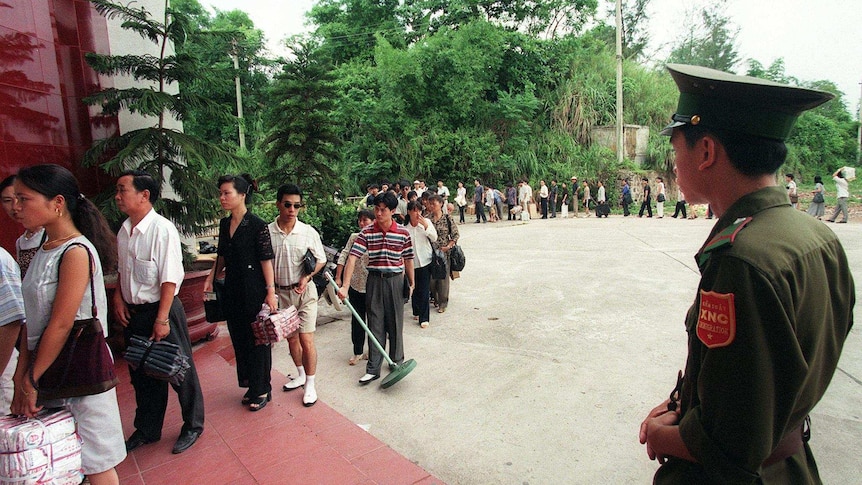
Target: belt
{"type": "Point", "coordinates": [287, 287]}
{"type": "Point", "coordinates": [142, 307]}
{"type": "Point", "coordinates": [384, 274]}
{"type": "Point", "coordinates": [790, 444]}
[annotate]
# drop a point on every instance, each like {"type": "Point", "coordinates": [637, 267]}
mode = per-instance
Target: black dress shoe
{"type": "Point", "coordinates": [185, 441]}
{"type": "Point", "coordinates": [137, 440]}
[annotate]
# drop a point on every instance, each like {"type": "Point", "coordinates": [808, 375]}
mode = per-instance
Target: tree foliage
{"type": "Point", "coordinates": [301, 145]}
{"type": "Point", "coordinates": [709, 42]}
{"type": "Point", "coordinates": [458, 89]}
{"type": "Point", "coordinates": [167, 153]}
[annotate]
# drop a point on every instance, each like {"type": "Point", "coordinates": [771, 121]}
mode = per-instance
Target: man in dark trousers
{"type": "Point", "coordinates": [775, 300]}
{"type": "Point", "coordinates": [646, 198]}
{"type": "Point", "coordinates": [390, 260]}
{"type": "Point", "coordinates": [479, 202]}
{"type": "Point", "coordinates": [150, 268]}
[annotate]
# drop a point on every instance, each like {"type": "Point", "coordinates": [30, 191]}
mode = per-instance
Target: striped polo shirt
{"type": "Point", "coordinates": [387, 250]}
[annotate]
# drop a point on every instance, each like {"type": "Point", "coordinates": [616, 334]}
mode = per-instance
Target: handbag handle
{"type": "Point", "coordinates": [93, 309]}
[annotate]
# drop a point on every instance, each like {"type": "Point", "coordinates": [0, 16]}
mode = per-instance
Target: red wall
{"type": "Point", "coordinates": [42, 81]}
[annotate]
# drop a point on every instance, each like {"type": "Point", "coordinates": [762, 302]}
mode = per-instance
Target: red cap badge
{"type": "Point", "coordinates": [716, 322]}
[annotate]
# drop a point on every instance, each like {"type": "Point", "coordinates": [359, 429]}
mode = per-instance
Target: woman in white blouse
{"type": "Point", "coordinates": [422, 233]}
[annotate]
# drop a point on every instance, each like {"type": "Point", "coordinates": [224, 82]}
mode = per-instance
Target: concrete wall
{"type": "Point", "coordinates": [636, 139]}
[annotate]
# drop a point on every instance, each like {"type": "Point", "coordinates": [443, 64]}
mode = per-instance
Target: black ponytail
{"type": "Point", "coordinates": [53, 180]}
{"type": "Point", "coordinates": [244, 184]}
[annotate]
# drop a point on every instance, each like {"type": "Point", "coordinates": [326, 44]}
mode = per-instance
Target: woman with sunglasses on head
{"type": "Point", "coordinates": [60, 289]}
{"type": "Point", "coordinates": [245, 254]}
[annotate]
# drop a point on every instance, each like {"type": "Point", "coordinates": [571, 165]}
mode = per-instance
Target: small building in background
{"type": "Point", "coordinates": [636, 139]}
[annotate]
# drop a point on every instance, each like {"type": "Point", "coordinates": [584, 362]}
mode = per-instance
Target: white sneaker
{"type": "Point", "coordinates": [424, 324]}
{"type": "Point", "coordinates": [310, 397]}
{"type": "Point", "coordinates": [294, 383]}
{"type": "Point", "coordinates": [368, 378]}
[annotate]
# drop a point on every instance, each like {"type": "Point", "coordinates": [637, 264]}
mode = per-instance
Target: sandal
{"type": "Point", "coordinates": [353, 360]}
{"type": "Point", "coordinates": [259, 402]}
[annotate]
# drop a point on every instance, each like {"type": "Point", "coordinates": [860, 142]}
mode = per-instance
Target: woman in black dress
{"type": "Point", "coordinates": [245, 253]}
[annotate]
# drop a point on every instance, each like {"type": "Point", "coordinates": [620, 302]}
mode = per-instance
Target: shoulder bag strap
{"type": "Point", "coordinates": [90, 263]}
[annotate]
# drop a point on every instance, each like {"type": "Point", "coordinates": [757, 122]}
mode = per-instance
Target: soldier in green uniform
{"type": "Point", "coordinates": [775, 300]}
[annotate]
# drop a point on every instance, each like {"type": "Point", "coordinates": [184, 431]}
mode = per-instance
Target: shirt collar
{"type": "Point", "coordinates": [143, 225]}
{"type": "Point", "coordinates": [297, 228]}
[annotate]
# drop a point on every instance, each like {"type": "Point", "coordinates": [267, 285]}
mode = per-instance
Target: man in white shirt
{"type": "Point", "coordinates": [443, 191]}
{"type": "Point", "coordinates": [543, 198]}
{"type": "Point", "coordinates": [842, 192]}
{"type": "Point", "coordinates": [418, 187]}
{"type": "Point", "coordinates": [291, 239]}
{"type": "Point", "coordinates": [150, 272]}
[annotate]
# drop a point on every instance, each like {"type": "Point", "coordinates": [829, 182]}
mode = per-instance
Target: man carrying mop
{"type": "Point", "coordinates": [390, 257]}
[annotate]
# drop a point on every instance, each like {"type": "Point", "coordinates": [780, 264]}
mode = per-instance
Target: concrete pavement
{"type": "Point", "coordinates": [560, 336]}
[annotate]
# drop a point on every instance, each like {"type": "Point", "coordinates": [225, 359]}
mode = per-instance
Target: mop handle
{"type": "Point", "coordinates": [359, 319]}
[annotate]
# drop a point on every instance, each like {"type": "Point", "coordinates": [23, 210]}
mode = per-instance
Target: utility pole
{"type": "Point", "coordinates": [620, 140]}
{"type": "Point", "coordinates": [859, 134]}
{"type": "Point", "coordinates": [235, 56]}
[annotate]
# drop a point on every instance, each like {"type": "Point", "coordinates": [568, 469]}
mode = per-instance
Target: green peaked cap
{"type": "Point", "coordinates": [745, 104]}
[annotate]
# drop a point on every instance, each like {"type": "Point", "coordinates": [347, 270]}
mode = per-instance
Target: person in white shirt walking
{"type": "Point", "coordinates": [842, 192]}
{"type": "Point", "coordinates": [660, 196]}
{"type": "Point", "coordinates": [291, 239]}
{"type": "Point", "coordinates": [423, 234]}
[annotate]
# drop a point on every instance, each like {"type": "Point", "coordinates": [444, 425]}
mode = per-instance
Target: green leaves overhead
{"type": "Point", "coordinates": [164, 151]}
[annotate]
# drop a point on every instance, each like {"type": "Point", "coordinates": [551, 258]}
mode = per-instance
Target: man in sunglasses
{"type": "Point", "coordinates": [775, 300]}
{"type": "Point", "coordinates": [291, 239]}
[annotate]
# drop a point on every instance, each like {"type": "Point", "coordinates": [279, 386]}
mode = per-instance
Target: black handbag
{"type": "Point", "coordinates": [213, 303]}
{"type": "Point", "coordinates": [660, 198]}
{"type": "Point", "coordinates": [309, 262]}
{"type": "Point", "coordinates": [456, 255]}
{"type": "Point", "coordinates": [84, 365]}
{"type": "Point", "coordinates": [161, 360]}
{"type": "Point", "coordinates": [438, 265]}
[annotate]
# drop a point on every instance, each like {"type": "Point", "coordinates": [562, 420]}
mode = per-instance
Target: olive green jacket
{"type": "Point", "coordinates": [774, 344]}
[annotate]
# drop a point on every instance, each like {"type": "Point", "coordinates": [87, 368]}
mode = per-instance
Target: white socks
{"type": "Point", "coordinates": [310, 396]}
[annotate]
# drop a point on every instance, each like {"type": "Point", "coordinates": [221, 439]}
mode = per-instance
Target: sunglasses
{"type": "Point", "coordinates": [296, 205]}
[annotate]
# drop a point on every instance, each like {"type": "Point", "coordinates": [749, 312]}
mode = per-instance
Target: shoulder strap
{"type": "Point", "coordinates": [723, 238]}
{"type": "Point", "coordinates": [90, 263]}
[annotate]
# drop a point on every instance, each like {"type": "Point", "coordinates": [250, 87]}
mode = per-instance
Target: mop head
{"type": "Point", "coordinates": [400, 372]}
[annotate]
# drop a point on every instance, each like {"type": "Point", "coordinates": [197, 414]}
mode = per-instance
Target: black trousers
{"type": "Point", "coordinates": [253, 362]}
{"type": "Point", "coordinates": [151, 395]}
{"type": "Point", "coordinates": [543, 203]}
{"type": "Point", "coordinates": [421, 293]}
{"type": "Point", "coordinates": [646, 206]}
{"type": "Point", "coordinates": [357, 333]}
{"type": "Point", "coordinates": [680, 207]}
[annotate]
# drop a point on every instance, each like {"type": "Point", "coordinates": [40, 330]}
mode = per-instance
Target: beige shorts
{"type": "Point", "coordinates": [306, 306]}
